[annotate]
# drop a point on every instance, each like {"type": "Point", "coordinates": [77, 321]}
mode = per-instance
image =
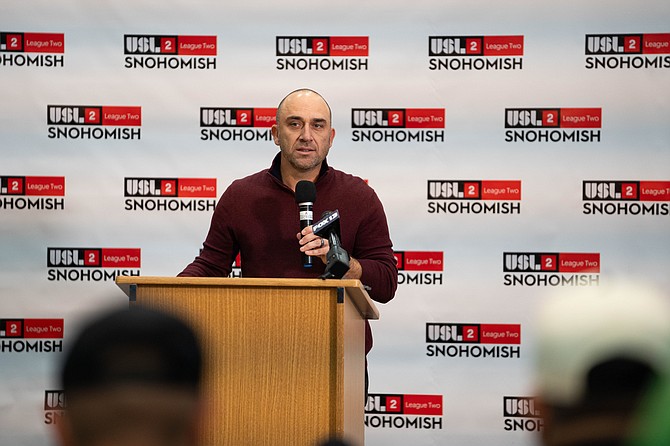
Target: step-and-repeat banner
{"type": "Point", "coordinates": [519, 148]}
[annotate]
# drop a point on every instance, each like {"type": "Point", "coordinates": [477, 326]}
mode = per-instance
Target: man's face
{"type": "Point", "coordinates": [303, 131]}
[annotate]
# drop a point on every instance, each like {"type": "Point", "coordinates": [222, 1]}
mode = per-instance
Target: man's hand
{"type": "Point", "coordinates": [313, 245]}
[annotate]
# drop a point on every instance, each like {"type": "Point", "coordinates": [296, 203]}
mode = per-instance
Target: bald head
{"type": "Point", "coordinates": [302, 93]}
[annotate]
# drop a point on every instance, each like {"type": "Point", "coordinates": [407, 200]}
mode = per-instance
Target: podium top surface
{"type": "Point", "coordinates": [352, 287]}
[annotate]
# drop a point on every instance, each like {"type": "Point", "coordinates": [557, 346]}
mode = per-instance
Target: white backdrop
{"type": "Point", "coordinates": [465, 260]}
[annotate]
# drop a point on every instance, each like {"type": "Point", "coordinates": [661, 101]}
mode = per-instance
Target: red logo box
{"type": "Point", "coordinates": [501, 190]}
{"type": "Point", "coordinates": [550, 118]}
{"type": "Point", "coordinates": [629, 191]}
{"type": "Point", "coordinates": [15, 186]}
{"type": "Point", "coordinates": [265, 117]}
{"type": "Point", "coordinates": [168, 45]}
{"type": "Point", "coordinates": [197, 187]}
{"type": "Point", "coordinates": [14, 42]}
{"type": "Point", "coordinates": [472, 190]}
{"type": "Point", "coordinates": [579, 263]}
{"type": "Point", "coordinates": [503, 46]}
{"type": "Point", "coordinates": [470, 333]}
{"type": "Point", "coordinates": [92, 115]}
{"type": "Point", "coordinates": [91, 257]}
{"type": "Point", "coordinates": [197, 46]}
{"type": "Point", "coordinates": [424, 118]}
{"type": "Point", "coordinates": [168, 188]}
{"type": "Point", "coordinates": [348, 46]}
{"type": "Point", "coordinates": [45, 186]}
{"type": "Point", "coordinates": [632, 44]}
{"type": "Point", "coordinates": [474, 46]}
{"type": "Point", "coordinates": [122, 116]}
{"type": "Point", "coordinates": [500, 334]}
{"type": "Point", "coordinates": [655, 190]}
{"type": "Point", "coordinates": [422, 405]}
{"type": "Point", "coordinates": [44, 43]}
{"type": "Point", "coordinates": [13, 329]}
{"type": "Point", "coordinates": [656, 43]}
{"type": "Point", "coordinates": [581, 118]}
{"type": "Point", "coordinates": [42, 328]}
{"type": "Point", "coordinates": [423, 261]}
{"type": "Point", "coordinates": [121, 258]}
{"type": "Point", "coordinates": [395, 118]}
{"type": "Point", "coordinates": [394, 404]}
{"type": "Point", "coordinates": [549, 262]}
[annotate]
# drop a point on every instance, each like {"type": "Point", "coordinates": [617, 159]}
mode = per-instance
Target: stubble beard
{"type": "Point", "coordinates": [304, 164]}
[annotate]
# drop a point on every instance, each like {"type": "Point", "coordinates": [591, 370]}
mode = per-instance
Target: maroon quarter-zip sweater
{"type": "Point", "coordinates": [257, 216]}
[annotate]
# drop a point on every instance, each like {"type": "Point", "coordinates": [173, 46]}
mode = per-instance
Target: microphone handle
{"type": "Point", "coordinates": [306, 217]}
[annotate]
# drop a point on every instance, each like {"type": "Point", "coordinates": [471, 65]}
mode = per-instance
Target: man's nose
{"type": "Point", "coordinates": [306, 134]}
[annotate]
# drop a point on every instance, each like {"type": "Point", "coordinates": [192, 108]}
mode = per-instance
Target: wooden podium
{"type": "Point", "coordinates": [285, 358]}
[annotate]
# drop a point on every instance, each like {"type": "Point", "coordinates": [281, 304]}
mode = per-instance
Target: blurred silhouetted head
{"type": "Point", "coordinates": [132, 377]}
{"type": "Point", "coordinates": [598, 351]}
{"type": "Point", "coordinates": [135, 345]}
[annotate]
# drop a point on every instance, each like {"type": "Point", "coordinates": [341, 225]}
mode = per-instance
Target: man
{"type": "Point", "coordinates": [257, 216]}
{"type": "Point", "coordinates": [132, 378]}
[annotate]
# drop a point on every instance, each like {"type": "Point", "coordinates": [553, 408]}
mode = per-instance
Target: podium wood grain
{"type": "Point", "coordinates": [285, 358]}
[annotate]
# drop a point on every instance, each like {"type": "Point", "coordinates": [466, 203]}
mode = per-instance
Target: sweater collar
{"type": "Point", "coordinates": [275, 168]}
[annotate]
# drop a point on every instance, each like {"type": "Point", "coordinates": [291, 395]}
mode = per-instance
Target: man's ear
{"type": "Point", "coordinates": [275, 134]}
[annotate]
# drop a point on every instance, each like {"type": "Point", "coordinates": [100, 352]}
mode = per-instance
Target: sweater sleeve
{"type": "Point", "coordinates": [374, 251]}
{"type": "Point", "coordinates": [219, 248]}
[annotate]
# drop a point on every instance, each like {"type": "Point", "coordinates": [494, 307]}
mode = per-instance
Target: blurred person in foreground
{"type": "Point", "coordinates": [132, 377]}
{"type": "Point", "coordinates": [652, 427]}
{"type": "Point", "coordinates": [599, 352]}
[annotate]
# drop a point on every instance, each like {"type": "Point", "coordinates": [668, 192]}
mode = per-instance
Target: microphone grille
{"type": "Point", "coordinates": [305, 191]}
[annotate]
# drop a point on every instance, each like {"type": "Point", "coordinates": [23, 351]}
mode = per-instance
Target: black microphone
{"type": "Point", "coordinates": [305, 196]}
{"type": "Point", "coordinates": [337, 258]}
